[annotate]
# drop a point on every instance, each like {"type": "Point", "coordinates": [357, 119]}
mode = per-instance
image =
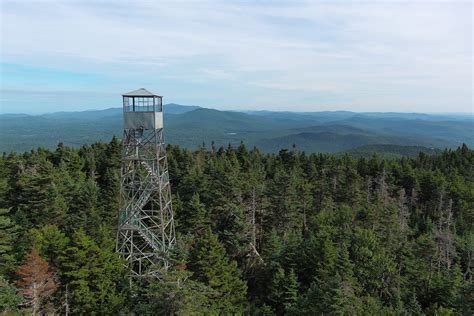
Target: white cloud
{"type": "Point", "coordinates": [372, 53]}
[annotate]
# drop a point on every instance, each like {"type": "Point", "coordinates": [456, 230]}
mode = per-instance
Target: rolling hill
{"type": "Point", "coordinates": [391, 151]}
{"type": "Point", "coordinates": [190, 126]}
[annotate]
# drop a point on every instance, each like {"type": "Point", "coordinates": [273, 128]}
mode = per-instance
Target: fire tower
{"type": "Point", "coordinates": [146, 226]}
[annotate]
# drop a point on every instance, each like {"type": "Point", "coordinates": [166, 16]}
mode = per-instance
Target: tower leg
{"type": "Point", "coordinates": [146, 224]}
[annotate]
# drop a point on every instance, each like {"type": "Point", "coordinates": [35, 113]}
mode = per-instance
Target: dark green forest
{"type": "Point", "coordinates": [312, 132]}
{"type": "Point", "coordinates": [258, 234]}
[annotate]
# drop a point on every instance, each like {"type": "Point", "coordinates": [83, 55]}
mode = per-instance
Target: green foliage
{"type": "Point", "coordinates": [283, 290]}
{"type": "Point", "coordinates": [8, 235]}
{"type": "Point", "coordinates": [177, 294]}
{"type": "Point", "coordinates": [193, 216]}
{"type": "Point", "coordinates": [326, 296]}
{"type": "Point", "coordinates": [391, 151]}
{"type": "Point", "coordinates": [95, 274]}
{"type": "Point", "coordinates": [51, 244]}
{"type": "Point", "coordinates": [288, 233]}
{"type": "Point", "coordinates": [373, 267]}
{"type": "Point", "coordinates": [210, 265]}
{"type": "Point", "coordinates": [10, 299]}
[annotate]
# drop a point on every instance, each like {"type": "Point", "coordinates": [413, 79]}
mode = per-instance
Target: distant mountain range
{"type": "Point", "coordinates": [396, 134]}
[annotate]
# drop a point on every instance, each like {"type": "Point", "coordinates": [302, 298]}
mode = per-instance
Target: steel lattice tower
{"type": "Point", "coordinates": [146, 226]}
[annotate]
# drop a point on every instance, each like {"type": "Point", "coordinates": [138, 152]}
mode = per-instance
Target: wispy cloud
{"type": "Point", "coordinates": [359, 55]}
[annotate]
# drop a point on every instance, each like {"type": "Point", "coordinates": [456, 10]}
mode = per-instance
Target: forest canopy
{"type": "Point", "coordinates": [262, 234]}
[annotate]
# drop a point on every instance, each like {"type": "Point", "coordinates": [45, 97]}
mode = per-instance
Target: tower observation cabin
{"type": "Point", "coordinates": [142, 110]}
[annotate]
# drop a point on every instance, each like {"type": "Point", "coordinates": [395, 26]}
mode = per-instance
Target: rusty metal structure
{"type": "Point", "coordinates": [146, 231]}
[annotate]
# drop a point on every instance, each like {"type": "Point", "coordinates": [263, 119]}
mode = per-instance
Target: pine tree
{"type": "Point", "coordinates": [413, 306]}
{"type": "Point", "coordinates": [193, 216]}
{"type": "Point", "coordinates": [467, 299]}
{"type": "Point", "coordinates": [290, 290]}
{"type": "Point", "coordinates": [210, 265]}
{"type": "Point", "coordinates": [320, 298]}
{"type": "Point", "coordinates": [276, 290]}
{"type": "Point", "coordinates": [51, 243]}
{"type": "Point", "coordinates": [32, 193]}
{"type": "Point", "coordinates": [8, 235]}
{"type": "Point", "coordinates": [85, 211]}
{"type": "Point", "coordinates": [374, 269]}
{"type": "Point", "coordinates": [35, 281]}
{"type": "Point", "coordinates": [10, 299]}
{"type": "Point", "coordinates": [176, 294]}
{"type": "Point", "coordinates": [233, 230]}
{"type": "Point", "coordinates": [349, 236]}
{"type": "Point", "coordinates": [94, 273]}
{"type": "Point", "coordinates": [272, 247]}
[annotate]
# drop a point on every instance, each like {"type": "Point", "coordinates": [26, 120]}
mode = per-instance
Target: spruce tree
{"type": "Point", "coordinates": [10, 299]}
{"type": "Point", "coordinates": [8, 235]}
{"type": "Point", "coordinates": [175, 294]}
{"type": "Point", "coordinates": [277, 290]}
{"type": "Point", "coordinates": [211, 266]}
{"type": "Point", "coordinates": [94, 274]}
{"type": "Point", "coordinates": [193, 216]}
{"type": "Point", "coordinates": [290, 290]}
{"type": "Point", "coordinates": [51, 244]}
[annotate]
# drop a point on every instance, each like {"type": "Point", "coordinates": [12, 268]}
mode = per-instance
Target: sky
{"type": "Point", "coordinates": [397, 56]}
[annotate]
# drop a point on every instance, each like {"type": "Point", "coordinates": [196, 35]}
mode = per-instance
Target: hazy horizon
{"type": "Point", "coordinates": [246, 111]}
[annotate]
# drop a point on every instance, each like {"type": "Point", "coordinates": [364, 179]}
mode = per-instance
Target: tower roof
{"type": "Point", "coordinates": [142, 92]}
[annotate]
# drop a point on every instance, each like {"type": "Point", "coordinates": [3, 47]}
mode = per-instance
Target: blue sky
{"type": "Point", "coordinates": [405, 56]}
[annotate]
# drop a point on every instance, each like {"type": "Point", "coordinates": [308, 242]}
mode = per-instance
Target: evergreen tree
{"type": "Point", "coordinates": [413, 306]}
{"type": "Point", "coordinates": [10, 299]}
{"type": "Point", "coordinates": [277, 290]}
{"type": "Point", "coordinates": [51, 243]}
{"type": "Point", "coordinates": [8, 235]}
{"type": "Point", "coordinates": [323, 297]}
{"type": "Point", "coordinates": [85, 210]}
{"type": "Point", "coordinates": [373, 267]}
{"type": "Point", "coordinates": [336, 234]}
{"type": "Point", "coordinates": [94, 274]}
{"type": "Point", "coordinates": [290, 290]}
{"type": "Point", "coordinates": [176, 294]}
{"type": "Point", "coordinates": [210, 265]}
{"type": "Point", "coordinates": [193, 216]}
